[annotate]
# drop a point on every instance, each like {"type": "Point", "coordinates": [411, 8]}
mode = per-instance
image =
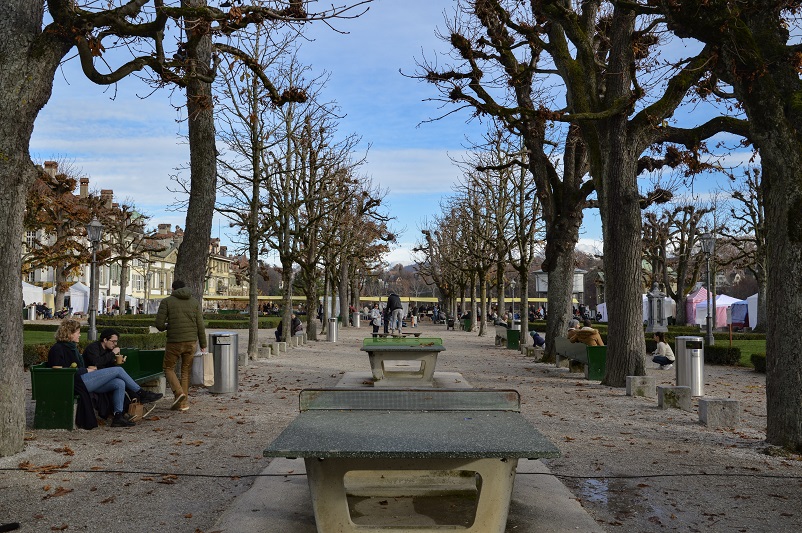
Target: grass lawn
{"type": "Point", "coordinates": [747, 349]}
{"type": "Point", "coordinates": [42, 337]}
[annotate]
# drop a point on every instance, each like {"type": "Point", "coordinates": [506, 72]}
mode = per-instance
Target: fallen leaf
{"type": "Point", "coordinates": [60, 491]}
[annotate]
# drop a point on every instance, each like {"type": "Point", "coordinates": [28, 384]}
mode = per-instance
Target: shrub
{"type": "Point", "coordinates": [759, 362]}
{"type": "Point", "coordinates": [37, 353]}
{"type": "Point", "coordinates": [722, 355]}
{"type": "Point", "coordinates": [126, 320]}
{"type": "Point", "coordinates": [148, 341]}
{"type": "Point", "coordinates": [264, 323]}
{"type": "Point", "coordinates": [33, 354]}
{"type": "Point", "coordinates": [41, 327]}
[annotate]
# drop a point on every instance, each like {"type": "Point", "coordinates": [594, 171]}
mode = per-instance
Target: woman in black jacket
{"type": "Point", "coordinates": [64, 354]}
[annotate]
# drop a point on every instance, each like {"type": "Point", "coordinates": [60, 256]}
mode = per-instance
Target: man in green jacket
{"type": "Point", "coordinates": [180, 314]}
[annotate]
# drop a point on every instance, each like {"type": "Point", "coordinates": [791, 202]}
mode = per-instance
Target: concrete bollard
{"type": "Point", "coordinates": [282, 347]}
{"type": "Point", "coordinates": [158, 385]}
{"type": "Point", "coordinates": [274, 349]}
{"type": "Point", "coordinates": [674, 397]}
{"type": "Point", "coordinates": [641, 386]}
{"type": "Point", "coordinates": [719, 412]}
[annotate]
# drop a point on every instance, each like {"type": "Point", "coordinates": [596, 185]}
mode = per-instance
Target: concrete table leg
{"type": "Point", "coordinates": [330, 503]}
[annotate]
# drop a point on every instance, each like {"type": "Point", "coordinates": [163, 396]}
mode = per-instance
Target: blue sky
{"type": "Point", "coordinates": [126, 139]}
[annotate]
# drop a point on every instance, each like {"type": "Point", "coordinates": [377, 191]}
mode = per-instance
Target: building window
{"type": "Point", "coordinates": [137, 282]}
{"type": "Point", "coordinates": [30, 239]}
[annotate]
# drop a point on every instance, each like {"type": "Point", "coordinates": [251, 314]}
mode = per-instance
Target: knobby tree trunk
{"type": "Point", "coordinates": [523, 277]}
{"type": "Point", "coordinates": [343, 292]}
{"type": "Point", "coordinates": [193, 253]}
{"type": "Point", "coordinates": [621, 220]}
{"type": "Point", "coordinates": [483, 304]}
{"type": "Point", "coordinates": [286, 311]}
{"type": "Point", "coordinates": [253, 287]}
{"type": "Point", "coordinates": [30, 58]}
{"type": "Point", "coordinates": [560, 290]}
{"type": "Point", "coordinates": [500, 268]}
{"type": "Point", "coordinates": [124, 269]}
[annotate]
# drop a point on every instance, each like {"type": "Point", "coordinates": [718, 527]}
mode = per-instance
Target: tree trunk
{"type": "Point", "coordinates": [193, 253]}
{"type": "Point", "coordinates": [326, 285]}
{"type": "Point", "coordinates": [286, 312]}
{"type": "Point", "coordinates": [343, 292]}
{"type": "Point", "coordinates": [500, 267]}
{"type": "Point", "coordinates": [59, 280]}
{"type": "Point", "coordinates": [483, 304]}
{"type": "Point", "coordinates": [124, 269]}
{"type": "Point", "coordinates": [621, 220]}
{"type": "Point", "coordinates": [253, 287]}
{"type": "Point", "coordinates": [30, 59]}
{"type": "Point", "coordinates": [523, 277]}
{"type": "Point", "coordinates": [560, 290]}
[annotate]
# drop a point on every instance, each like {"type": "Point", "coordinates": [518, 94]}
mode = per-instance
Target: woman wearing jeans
{"type": "Point", "coordinates": [114, 380]}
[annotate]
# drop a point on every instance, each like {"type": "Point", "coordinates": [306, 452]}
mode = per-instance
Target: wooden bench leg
{"type": "Point", "coordinates": [329, 496]}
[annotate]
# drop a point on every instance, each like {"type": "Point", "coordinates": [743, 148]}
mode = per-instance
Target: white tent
{"type": "Point", "coordinates": [31, 294]}
{"type": "Point", "coordinates": [722, 303]}
{"type": "Point", "coordinates": [754, 318]}
{"type": "Point", "coordinates": [670, 307]}
{"type": "Point", "coordinates": [79, 297]}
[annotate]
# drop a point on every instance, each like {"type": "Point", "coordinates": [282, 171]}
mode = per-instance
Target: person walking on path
{"type": "Point", "coordinates": [396, 312]}
{"type": "Point", "coordinates": [180, 314]}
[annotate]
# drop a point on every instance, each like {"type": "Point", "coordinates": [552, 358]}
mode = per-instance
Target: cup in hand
{"type": "Point", "coordinates": [119, 358]}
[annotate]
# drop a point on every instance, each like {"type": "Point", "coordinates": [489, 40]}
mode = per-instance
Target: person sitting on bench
{"type": "Point", "coordinates": [89, 379]}
{"type": "Point", "coordinates": [586, 335]}
{"type": "Point", "coordinates": [103, 352]}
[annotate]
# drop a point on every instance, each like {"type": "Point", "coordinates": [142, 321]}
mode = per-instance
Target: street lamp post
{"type": "Point", "coordinates": [708, 241]}
{"type": "Point", "coordinates": [94, 230]}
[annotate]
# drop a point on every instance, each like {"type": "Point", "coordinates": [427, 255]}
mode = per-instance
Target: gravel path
{"type": "Point", "coordinates": [634, 467]}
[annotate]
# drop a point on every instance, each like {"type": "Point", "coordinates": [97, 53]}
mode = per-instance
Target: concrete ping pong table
{"type": "Point", "coordinates": [392, 443]}
{"type": "Point", "coordinates": [420, 352]}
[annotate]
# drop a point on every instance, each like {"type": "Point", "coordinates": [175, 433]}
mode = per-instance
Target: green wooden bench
{"type": "Point", "coordinates": [53, 391]}
{"type": "Point", "coordinates": [594, 358]}
{"type": "Point", "coordinates": [143, 365]}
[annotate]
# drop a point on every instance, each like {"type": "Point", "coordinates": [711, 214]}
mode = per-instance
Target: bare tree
{"type": "Point", "coordinates": [746, 233]}
{"type": "Point", "coordinates": [671, 244]}
{"type": "Point", "coordinates": [32, 50]}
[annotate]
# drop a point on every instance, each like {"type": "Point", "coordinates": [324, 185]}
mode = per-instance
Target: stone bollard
{"type": "Point", "coordinates": [274, 349]}
{"type": "Point", "coordinates": [674, 397]}
{"type": "Point", "coordinates": [293, 341]}
{"type": "Point", "coordinates": [158, 385]}
{"type": "Point", "coordinates": [719, 412]}
{"type": "Point", "coordinates": [282, 347]}
{"type": "Point", "coordinates": [641, 386]}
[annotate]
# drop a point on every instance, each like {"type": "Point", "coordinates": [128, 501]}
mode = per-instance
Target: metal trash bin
{"type": "Point", "coordinates": [224, 346]}
{"type": "Point", "coordinates": [355, 319]}
{"type": "Point", "coordinates": [689, 364]}
{"type": "Point", "coordinates": [331, 334]}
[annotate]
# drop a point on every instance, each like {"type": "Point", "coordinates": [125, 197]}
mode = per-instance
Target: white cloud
{"type": "Point", "coordinates": [413, 171]}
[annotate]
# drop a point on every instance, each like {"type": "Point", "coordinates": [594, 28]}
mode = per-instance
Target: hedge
{"type": "Point", "coordinates": [264, 323]}
{"type": "Point", "coordinates": [722, 355]}
{"type": "Point", "coordinates": [37, 353]}
{"type": "Point", "coordinates": [759, 362]}
{"type": "Point", "coordinates": [127, 330]}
